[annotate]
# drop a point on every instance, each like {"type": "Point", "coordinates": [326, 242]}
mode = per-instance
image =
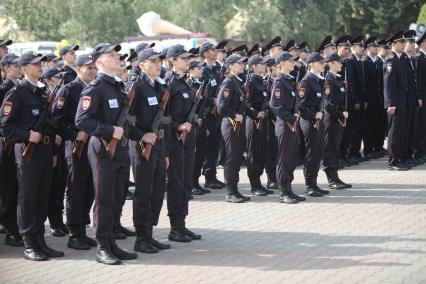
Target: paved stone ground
{"type": "Point", "coordinates": [374, 233]}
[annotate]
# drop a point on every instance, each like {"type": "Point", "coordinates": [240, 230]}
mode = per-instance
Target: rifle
{"type": "Point", "coordinates": [192, 113]}
{"type": "Point", "coordinates": [343, 123]}
{"type": "Point", "coordinates": [41, 122]}
{"type": "Point", "coordinates": [242, 107]}
{"type": "Point", "coordinates": [122, 118]}
{"type": "Point", "coordinates": [159, 118]}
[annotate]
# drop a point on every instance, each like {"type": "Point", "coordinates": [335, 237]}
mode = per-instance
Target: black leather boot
{"type": "Point", "coordinates": [231, 196]}
{"type": "Point", "coordinates": [285, 196]}
{"type": "Point", "coordinates": [60, 222]}
{"type": "Point", "coordinates": [91, 242]}
{"type": "Point", "coordinates": [272, 182]}
{"type": "Point", "coordinates": [46, 249]}
{"type": "Point", "coordinates": [310, 188]}
{"type": "Point", "coordinates": [14, 240]}
{"type": "Point", "coordinates": [333, 183]}
{"type": "Point", "coordinates": [104, 254]}
{"type": "Point", "coordinates": [32, 250]}
{"type": "Point", "coordinates": [293, 195]}
{"type": "Point", "coordinates": [76, 240]}
{"type": "Point", "coordinates": [118, 252]}
{"type": "Point", "coordinates": [143, 242]}
{"type": "Point", "coordinates": [177, 233]}
{"type": "Point", "coordinates": [345, 185]}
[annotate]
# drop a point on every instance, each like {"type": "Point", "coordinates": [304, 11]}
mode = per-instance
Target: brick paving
{"type": "Point", "coordinates": [373, 233]}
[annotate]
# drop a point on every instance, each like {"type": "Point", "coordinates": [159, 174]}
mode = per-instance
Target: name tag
{"type": "Point", "coordinates": [152, 101]}
{"type": "Point", "coordinates": [342, 89]}
{"type": "Point", "coordinates": [319, 95]}
{"type": "Point", "coordinates": [113, 103]}
{"type": "Point", "coordinates": [293, 94]}
{"type": "Point", "coordinates": [265, 94]}
{"type": "Point", "coordinates": [185, 95]}
{"type": "Point", "coordinates": [35, 112]}
{"type": "Point", "coordinates": [213, 82]}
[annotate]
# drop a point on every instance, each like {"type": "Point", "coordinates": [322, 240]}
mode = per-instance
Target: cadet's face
{"type": "Point", "coordinates": [211, 54]}
{"type": "Point", "coordinates": [109, 63]}
{"type": "Point", "coordinates": [329, 50]}
{"type": "Point", "coordinates": [259, 68]}
{"type": "Point", "coordinates": [294, 52]}
{"type": "Point", "coordinates": [273, 70]}
{"type": "Point", "coordinates": [318, 67]}
{"type": "Point", "coordinates": [69, 57]}
{"type": "Point", "coordinates": [221, 56]}
{"type": "Point", "coordinates": [33, 71]}
{"type": "Point", "coordinates": [344, 51]}
{"type": "Point", "coordinates": [13, 71]}
{"type": "Point", "coordinates": [181, 64]}
{"type": "Point", "coordinates": [275, 51]}
{"type": "Point", "coordinates": [151, 67]}
{"type": "Point", "coordinates": [3, 50]}
{"type": "Point", "coordinates": [373, 50]}
{"type": "Point", "coordinates": [87, 72]}
{"type": "Point", "coordinates": [197, 72]}
{"type": "Point", "coordinates": [287, 65]}
{"type": "Point", "coordinates": [51, 64]}
{"type": "Point", "coordinates": [237, 68]}
{"type": "Point", "coordinates": [399, 46]}
{"type": "Point", "coordinates": [303, 55]}
{"type": "Point", "coordinates": [410, 47]}
{"type": "Point", "coordinates": [335, 66]}
{"type": "Point", "coordinates": [358, 50]}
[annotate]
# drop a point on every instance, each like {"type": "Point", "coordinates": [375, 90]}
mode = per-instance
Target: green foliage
{"type": "Point", "coordinates": [91, 21]}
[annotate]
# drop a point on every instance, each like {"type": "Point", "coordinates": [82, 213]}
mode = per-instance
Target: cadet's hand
{"type": "Point", "coordinates": [199, 121]}
{"type": "Point", "coordinates": [365, 106]}
{"type": "Point", "coordinates": [149, 138]}
{"type": "Point", "coordinates": [118, 132]}
{"type": "Point", "coordinates": [35, 137]}
{"type": "Point", "coordinates": [54, 161]}
{"type": "Point", "coordinates": [346, 114]}
{"type": "Point", "coordinates": [420, 103]}
{"type": "Point", "coordinates": [167, 163]}
{"type": "Point", "coordinates": [82, 136]}
{"type": "Point", "coordinates": [357, 106]}
{"type": "Point", "coordinates": [319, 115]}
{"type": "Point", "coordinates": [391, 110]}
{"type": "Point", "coordinates": [261, 114]}
{"type": "Point", "coordinates": [58, 140]}
{"type": "Point", "coordinates": [238, 117]}
{"type": "Point", "coordinates": [185, 127]}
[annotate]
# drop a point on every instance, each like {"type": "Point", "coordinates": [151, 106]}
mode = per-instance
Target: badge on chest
{"type": "Point", "coordinates": [113, 103]}
{"type": "Point", "coordinates": [152, 101]}
{"type": "Point", "coordinates": [319, 95]}
{"type": "Point", "coordinates": [185, 95]}
{"type": "Point", "coordinates": [35, 112]}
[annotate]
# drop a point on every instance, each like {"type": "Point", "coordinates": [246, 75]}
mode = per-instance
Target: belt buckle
{"type": "Point", "coordinates": [161, 134]}
{"type": "Point", "coordinates": [46, 140]}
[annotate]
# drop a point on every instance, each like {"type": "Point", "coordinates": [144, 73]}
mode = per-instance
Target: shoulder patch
{"type": "Point", "coordinates": [277, 93]}
{"type": "Point", "coordinates": [302, 92]}
{"type": "Point", "coordinates": [226, 93]}
{"type": "Point", "coordinates": [7, 108]}
{"type": "Point", "coordinates": [85, 103]}
{"type": "Point", "coordinates": [60, 103]}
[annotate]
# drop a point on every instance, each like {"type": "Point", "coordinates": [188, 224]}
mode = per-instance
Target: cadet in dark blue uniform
{"type": "Point", "coordinates": [20, 112]}
{"type": "Point", "coordinates": [80, 191]}
{"type": "Point", "coordinates": [97, 113]}
{"type": "Point", "coordinates": [395, 94]}
{"type": "Point", "coordinates": [67, 54]}
{"type": "Point", "coordinates": [194, 81]}
{"type": "Point", "coordinates": [414, 101]}
{"type": "Point", "coordinates": [150, 175]}
{"type": "Point", "coordinates": [421, 88]}
{"type": "Point", "coordinates": [231, 108]}
{"type": "Point", "coordinates": [9, 184]}
{"type": "Point", "coordinates": [311, 122]}
{"type": "Point", "coordinates": [271, 139]}
{"type": "Point", "coordinates": [51, 78]}
{"type": "Point", "coordinates": [182, 149]}
{"type": "Point", "coordinates": [208, 52]}
{"type": "Point", "coordinates": [335, 116]}
{"type": "Point", "coordinates": [283, 105]}
{"type": "Point", "coordinates": [256, 126]}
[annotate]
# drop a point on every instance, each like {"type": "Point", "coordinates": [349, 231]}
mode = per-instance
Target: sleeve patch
{"type": "Point", "coordinates": [7, 108]}
{"type": "Point", "coordinates": [226, 93]}
{"type": "Point", "coordinates": [277, 93]}
{"type": "Point", "coordinates": [86, 101]}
